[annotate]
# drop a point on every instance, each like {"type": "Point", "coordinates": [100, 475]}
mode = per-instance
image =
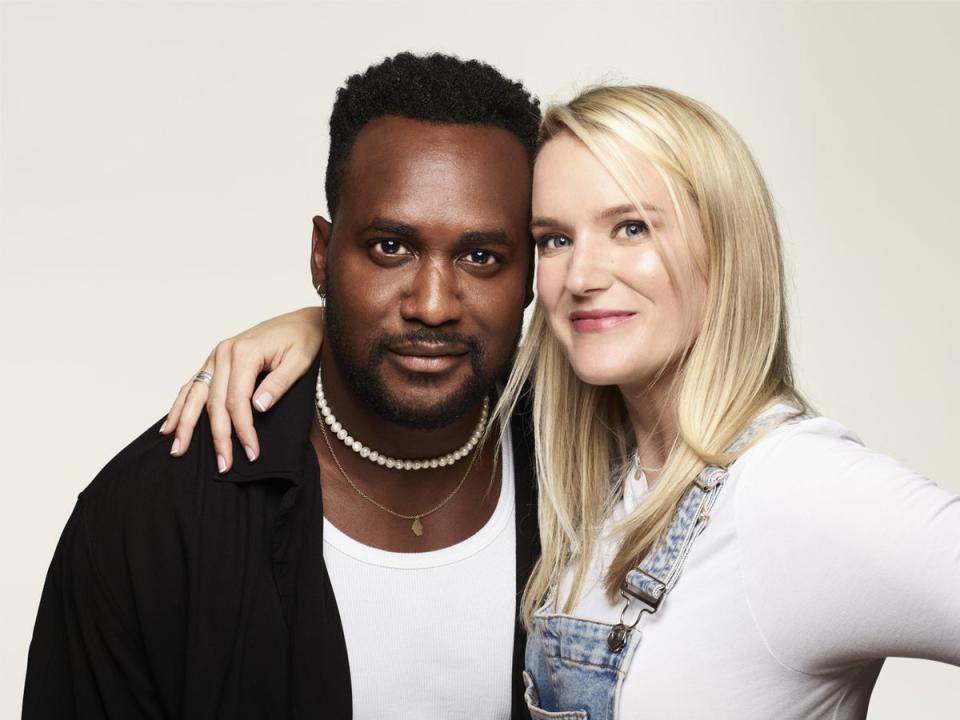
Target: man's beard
{"type": "Point", "coordinates": [364, 382]}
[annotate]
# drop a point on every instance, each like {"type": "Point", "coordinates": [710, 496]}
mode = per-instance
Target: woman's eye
{"type": "Point", "coordinates": [632, 229]}
{"type": "Point", "coordinates": [553, 242]}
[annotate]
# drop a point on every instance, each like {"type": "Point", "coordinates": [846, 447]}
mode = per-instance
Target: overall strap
{"type": "Point", "coordinates": [647, 584]}
{"type": "Point", "coordinates": [659, 570]}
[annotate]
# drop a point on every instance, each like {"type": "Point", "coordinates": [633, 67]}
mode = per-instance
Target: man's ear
{"type": "Point", "coordinates": [318, 252]}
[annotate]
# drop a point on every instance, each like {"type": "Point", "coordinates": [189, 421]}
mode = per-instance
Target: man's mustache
{"type": "Point", "coordinates": [426, 336]}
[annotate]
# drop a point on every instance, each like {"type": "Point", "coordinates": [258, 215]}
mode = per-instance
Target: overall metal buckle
{"type": "Point", "coordinates": [620, 633]}
{"type": "Point", "coordinates": [650, 599]}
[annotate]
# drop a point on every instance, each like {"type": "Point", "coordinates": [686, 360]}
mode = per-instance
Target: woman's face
{"type": "Point", "coordinates": [602, 281]}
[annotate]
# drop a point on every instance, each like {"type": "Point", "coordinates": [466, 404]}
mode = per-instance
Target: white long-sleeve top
{"type": "Point", "coordinates": [821, 558]}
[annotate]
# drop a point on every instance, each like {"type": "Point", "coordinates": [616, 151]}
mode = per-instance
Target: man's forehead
{"type": "Point", "coordinates": [393, 148]}
{"type": "Point", "coordinates": [419, 173]}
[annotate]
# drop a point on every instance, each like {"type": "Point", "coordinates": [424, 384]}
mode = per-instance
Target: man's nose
{"type": "Point", "coordinates": [434, 296]}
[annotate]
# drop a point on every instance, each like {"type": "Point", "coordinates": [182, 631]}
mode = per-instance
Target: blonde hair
{"type": "Point", "coordinates": [737, 365]}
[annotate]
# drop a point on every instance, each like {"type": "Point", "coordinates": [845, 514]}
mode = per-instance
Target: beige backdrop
{"type": "Point", "coordinates": [160, 164]}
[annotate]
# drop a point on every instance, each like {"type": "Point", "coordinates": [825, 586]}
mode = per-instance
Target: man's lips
{"type": "Point", "coordinates": [428, 357]}
{"type": "Point", "coordinates": [595, 320]}
{"type": "Point", "coordinates": [430, 349]}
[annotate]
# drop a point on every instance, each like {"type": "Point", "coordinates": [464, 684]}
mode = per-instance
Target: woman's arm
{"type": "Point", "coordinates": [285, 346]}
{"type": "Point", "coordinates": [848, 556]}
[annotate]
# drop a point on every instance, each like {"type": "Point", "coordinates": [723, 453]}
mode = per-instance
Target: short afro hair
{"type": "Point", "coordinates": [434, 88]}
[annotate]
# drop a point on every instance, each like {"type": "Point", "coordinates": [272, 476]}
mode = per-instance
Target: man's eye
{"type": "Point", "coordinates": [632, 229]}
{"type": "Point", "coordinates": [553, 242]}
{"type": "Point", "coordinates": [480, 257]}
{"type": "Point", "coordinates": [391, 247]}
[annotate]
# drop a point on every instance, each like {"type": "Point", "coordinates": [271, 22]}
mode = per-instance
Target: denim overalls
{"type": "Point", "coordinates": [574, 667]}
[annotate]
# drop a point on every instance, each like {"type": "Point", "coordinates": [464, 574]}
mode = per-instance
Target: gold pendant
{"type": "Point", "coordinates": [417, 526]}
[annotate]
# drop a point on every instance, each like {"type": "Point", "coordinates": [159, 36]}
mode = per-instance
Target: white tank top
{"type": "Point", "coordinates": [430, 635]}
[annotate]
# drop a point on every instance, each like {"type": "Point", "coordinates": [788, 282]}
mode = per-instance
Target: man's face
{"type": "Point", "coordinates": [426, 266]}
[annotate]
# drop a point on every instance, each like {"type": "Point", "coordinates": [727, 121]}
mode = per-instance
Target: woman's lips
{"type": "Point", "coordinates": [596, 320]}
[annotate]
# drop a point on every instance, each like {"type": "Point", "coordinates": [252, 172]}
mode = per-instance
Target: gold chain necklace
{"type": "Point", "coordinates": [417, 526]}
{"type": "Point", "coordinates": [642, 470]}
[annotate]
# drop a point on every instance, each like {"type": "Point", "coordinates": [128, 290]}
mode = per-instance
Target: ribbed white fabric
{"type": "Point", "coordinates": [821, 558]}
{"type": "Point", "coordinates": [430, 635]}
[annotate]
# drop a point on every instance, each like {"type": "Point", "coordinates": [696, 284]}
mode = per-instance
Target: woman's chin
{"type": "Point", "coordinates": [627, 376]}
{"type": "Point", "coordinates": [601, 377]}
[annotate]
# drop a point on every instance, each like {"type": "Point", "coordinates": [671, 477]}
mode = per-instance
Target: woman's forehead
{"type": "Point", "coordinates": [568, 178]}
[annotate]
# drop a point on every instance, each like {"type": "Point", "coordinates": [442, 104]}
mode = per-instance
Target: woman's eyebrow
{"type": "Point", "coordinates": [615, 211]}
{"type": "Point", "coordinates": [543, 222]}
{"type": "Point", "coordinates": [626, 209]}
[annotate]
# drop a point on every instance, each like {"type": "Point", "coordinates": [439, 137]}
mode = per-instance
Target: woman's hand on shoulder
{"type": "Point", "coordinates": [285, 346]}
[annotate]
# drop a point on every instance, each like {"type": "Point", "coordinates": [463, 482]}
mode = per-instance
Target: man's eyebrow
{"type": "Point", "coordinates": [392, 227]}
{"type": "Point", "coordinates": [485, 237]}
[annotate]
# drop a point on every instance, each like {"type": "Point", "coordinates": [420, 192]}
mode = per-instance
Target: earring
{"type": "Point", "coordinates": [323, 296]}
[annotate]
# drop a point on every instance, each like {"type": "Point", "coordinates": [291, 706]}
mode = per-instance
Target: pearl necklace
{"type": "Point", "coordinates": [396, 463]}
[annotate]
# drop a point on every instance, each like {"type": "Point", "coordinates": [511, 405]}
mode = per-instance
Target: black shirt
{"type": "Point", "coordinates": [176, 592]}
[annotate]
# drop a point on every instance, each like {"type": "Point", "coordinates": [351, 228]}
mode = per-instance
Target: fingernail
{"type": "Point", "coordinates": [221, 464]}
{"type": "Point", "coordinates": [251, 455]}
{"type": "Point", "coordinates": [163, 427]}
{"type": "Point", "coordinates": [263, 402]}
{"type": "Point", "coordinates": [175, 447]}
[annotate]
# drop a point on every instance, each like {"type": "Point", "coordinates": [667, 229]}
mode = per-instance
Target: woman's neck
{"type": "Point", "coordinates": [652, 409]}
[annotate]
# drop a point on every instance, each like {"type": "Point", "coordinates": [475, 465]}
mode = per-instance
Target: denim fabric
{"type": "Point", "coordinates": [569, 666]}
{"type": "Point", "coordinates": [659, 570]}
{"type": "Point", "coordinates": [573, 673]}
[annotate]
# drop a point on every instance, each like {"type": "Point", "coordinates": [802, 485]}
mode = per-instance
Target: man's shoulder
{"type": "Point", "coordinates": [144, 478]}
{"type": "Point", "coordinates": [145, 510]}
{"type": "Point", "coordinates": [127, 546]}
